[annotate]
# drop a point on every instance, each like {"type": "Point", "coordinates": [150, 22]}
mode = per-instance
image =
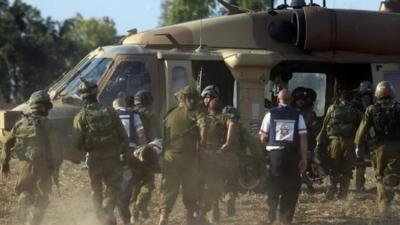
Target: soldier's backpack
{"type": "Point", "coordinates": [33, 143]}
{"type": "Point", "coordinates": [342, 121]}
{"type": "Point", "coordinates": [386, 119]}
{"type": "Point", "coordinates": [100, 128]}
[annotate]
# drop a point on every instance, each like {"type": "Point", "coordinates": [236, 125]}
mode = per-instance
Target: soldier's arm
{"type": "Point", "coordinates": [363, 128]}
{"type": "Point", "coordinates": [322, 137]}
{"type": "Point", "coordinates": [77, 131]}
{"type": "Point", "coordinates": [231, 126]}
{"type": "Point", "coordinates": [202, 123]}
{"type": "Point", "coordinates": [6, 153]}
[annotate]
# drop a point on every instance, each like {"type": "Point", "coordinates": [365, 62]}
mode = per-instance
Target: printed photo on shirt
{"type": "Point", "coordinates": [284, 130]}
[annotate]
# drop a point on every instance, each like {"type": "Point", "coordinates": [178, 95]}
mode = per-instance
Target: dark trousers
{"type": "Point", "coordinates": [283, 184]}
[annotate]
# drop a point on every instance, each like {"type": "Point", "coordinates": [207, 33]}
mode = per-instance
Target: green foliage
{"type": "Point", "coordinates": [178, 11]}
{"type": "Point", "coordinates": [35, 50]}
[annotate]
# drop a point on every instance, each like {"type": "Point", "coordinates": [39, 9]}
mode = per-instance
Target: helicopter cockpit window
{"type": "Point", "coordinates": [315, 81]}
{"type": "Point", "coordinates": [92, 71]}
{"type": "Point", "coordinates": [129, 77]}
{"type": "Point", "coordinates": [179, 78]}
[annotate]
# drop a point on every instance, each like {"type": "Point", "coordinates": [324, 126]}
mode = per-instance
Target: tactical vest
{"type": "Point", "coordinates": [100, 129]}
{"type": "Point", "coordinates": [283, 129]}
{"type": "Point", "coordinates": [31, 144]}
{"type": "Point", "coordinates": [216, 132]}
{"type": "Point", "coordinates": [180, 130]}
{"type": "Point", "coordinates": [386, 121]}
{"type": "Point", "coordinates": [342, 121]}
{"type": "Point", "coordinates": [128, 121]}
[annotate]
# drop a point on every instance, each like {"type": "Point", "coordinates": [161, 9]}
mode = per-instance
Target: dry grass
{"type": "Point", "coordinates": [75, 207]}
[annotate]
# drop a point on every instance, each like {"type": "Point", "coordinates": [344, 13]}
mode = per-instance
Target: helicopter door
{"type": "Point", "coordinates": [178, 75]}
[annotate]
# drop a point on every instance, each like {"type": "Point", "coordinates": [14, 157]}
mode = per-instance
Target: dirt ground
{"type": "Point", "coordinates": [75, 206]}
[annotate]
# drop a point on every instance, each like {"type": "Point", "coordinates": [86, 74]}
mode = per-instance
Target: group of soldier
{"type": "Point", "coordinates": [200, 148]}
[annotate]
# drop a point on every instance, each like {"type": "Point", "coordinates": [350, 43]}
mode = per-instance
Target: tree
{"type": "Point", "coordinates": [35, 50]}
{"type": "Point", "coordinates": [178, 11]}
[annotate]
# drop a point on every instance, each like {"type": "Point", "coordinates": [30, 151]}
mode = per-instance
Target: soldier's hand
{"type": "Point", "coordinates": [302, 165]}
{"type": "Point", "coordinates": [223, 148]}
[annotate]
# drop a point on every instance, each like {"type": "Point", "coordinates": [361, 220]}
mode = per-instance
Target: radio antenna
{"type": "Point", "coordinates": [200, 48]}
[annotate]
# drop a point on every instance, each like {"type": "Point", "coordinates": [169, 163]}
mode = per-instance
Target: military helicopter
{"type": "Point", "coordinates": [248, 55]}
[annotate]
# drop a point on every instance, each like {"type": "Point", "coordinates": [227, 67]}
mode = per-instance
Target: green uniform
{"type": "Point", "coordinates": [29, 141]}
{"type": "Point", "coordinates": [99, 131]}
{"type": "Point", "coordinates": [212, 170]}
{"type": "Point", "coordinates": [180, 158]}
{"type": "Point", "coordinates": [385, 154]}
{"type": "Point", "coordinates": [338, 131]}
{"type": "Point", "coordinates": [143, 174]}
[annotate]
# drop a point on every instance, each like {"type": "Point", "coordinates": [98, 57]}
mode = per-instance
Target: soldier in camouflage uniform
{"type": "Point", "coordinates": [382, 122]}
{"type": "Point", "coordinates": [99, 131]}
{"type": "Point", "coordinates": [361, 101]}
{"type": "Point", "coordinates": [29, 141]}
{"type": "Point", "coordinates": [304, 101]}
{"type": "Point", "coordinates": [144, 174]}
{"type": "Point", "coordinates": [337, 132]}
{"type": "Point", "coordinates": [214, 157]}
{"type": "Point", "coordinates": [184, 126]}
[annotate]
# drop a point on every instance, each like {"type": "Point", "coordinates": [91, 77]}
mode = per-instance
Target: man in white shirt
{"type": "Point", "coordinates": [284, 133]}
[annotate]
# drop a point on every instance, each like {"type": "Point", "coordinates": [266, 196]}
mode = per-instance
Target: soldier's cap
{"type": "Point", "coordinates": [40, 98]}
{"type": "Point", "coordinates": [187, 92]}
{"type": "Point", "coordinates": [299, 93]}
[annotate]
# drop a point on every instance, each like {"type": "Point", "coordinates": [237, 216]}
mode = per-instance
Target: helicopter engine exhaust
{"type": "Point", "coordinates": [322, 29]}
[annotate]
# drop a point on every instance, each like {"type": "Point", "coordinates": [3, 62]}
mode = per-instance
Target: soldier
{"type": "Point", "coordinates": [143, 173]}
{"type": "Point", "coordinates": [209, 93]}
{"type": "Point", "coordinates": [29, 141]}
{"type": "Point", "coordinates": [382, 122]}
{"type": "Point", "coordinates": [135, 131]}
{"type": "Point", "coordinates": [184, 126]}
{"type": "Point", "coordinates": [303, 99]}
{"type": "Point", "coordinates": [361, 101]}
{"type": "Point", "coordinates": [217, 152]}
{"type": "Point", "coordinates": [284, 133]}
{"type": "Point", "coordinates": [98, 130]}
{"type": "Point", "coordinates": [337, 132]}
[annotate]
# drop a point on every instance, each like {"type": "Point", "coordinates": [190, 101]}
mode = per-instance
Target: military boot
{"type": "Point", "coordinates": [332, 189]}
{"type": "Point", "coordinates": [163, 217]}
{"type": "Point", "coordinates": [215, 213]}
{"type": "Point", "coordinates": [231, 209]}
{"type": "Point", "coordinates": [190, 219]}
{"type": "Point", "coordinates": [24, 201]}
{"type": "Point", "coordinates": [344, 186]}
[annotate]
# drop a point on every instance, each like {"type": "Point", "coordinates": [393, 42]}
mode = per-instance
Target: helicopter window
{"type": "Point", "coordinates": [179, 78]}
{"type": "Point", "coordinates": [129, 77]}
{"type": "Point", "coordinates": [315, 81]}
{"type": "Point", "coordinates": [92, 71]}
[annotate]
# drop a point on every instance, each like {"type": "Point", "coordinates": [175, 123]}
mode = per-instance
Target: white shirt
{"type": "Point", "coordinates": [137, 123]}
{"type": "Point", "coordinates": [265, 128]}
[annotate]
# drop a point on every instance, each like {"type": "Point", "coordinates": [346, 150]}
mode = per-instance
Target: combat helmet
{"type": "Point", "coordinates": [384, 90]}
{"type": "Point", "coordinates": [231, 111]}
{"type": "Point", "coordinates": [366, 87]}
{"type": "Point", "coordinates": [210, 90]}
{"type": "Point", "coordinates": [299, 93]}
{"type": "Point", "coordinates": [143, 97]}
{"type": "Point", "coordinates": [87, 88]}
{"type": "Point", "coordinates": [39, 98]}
